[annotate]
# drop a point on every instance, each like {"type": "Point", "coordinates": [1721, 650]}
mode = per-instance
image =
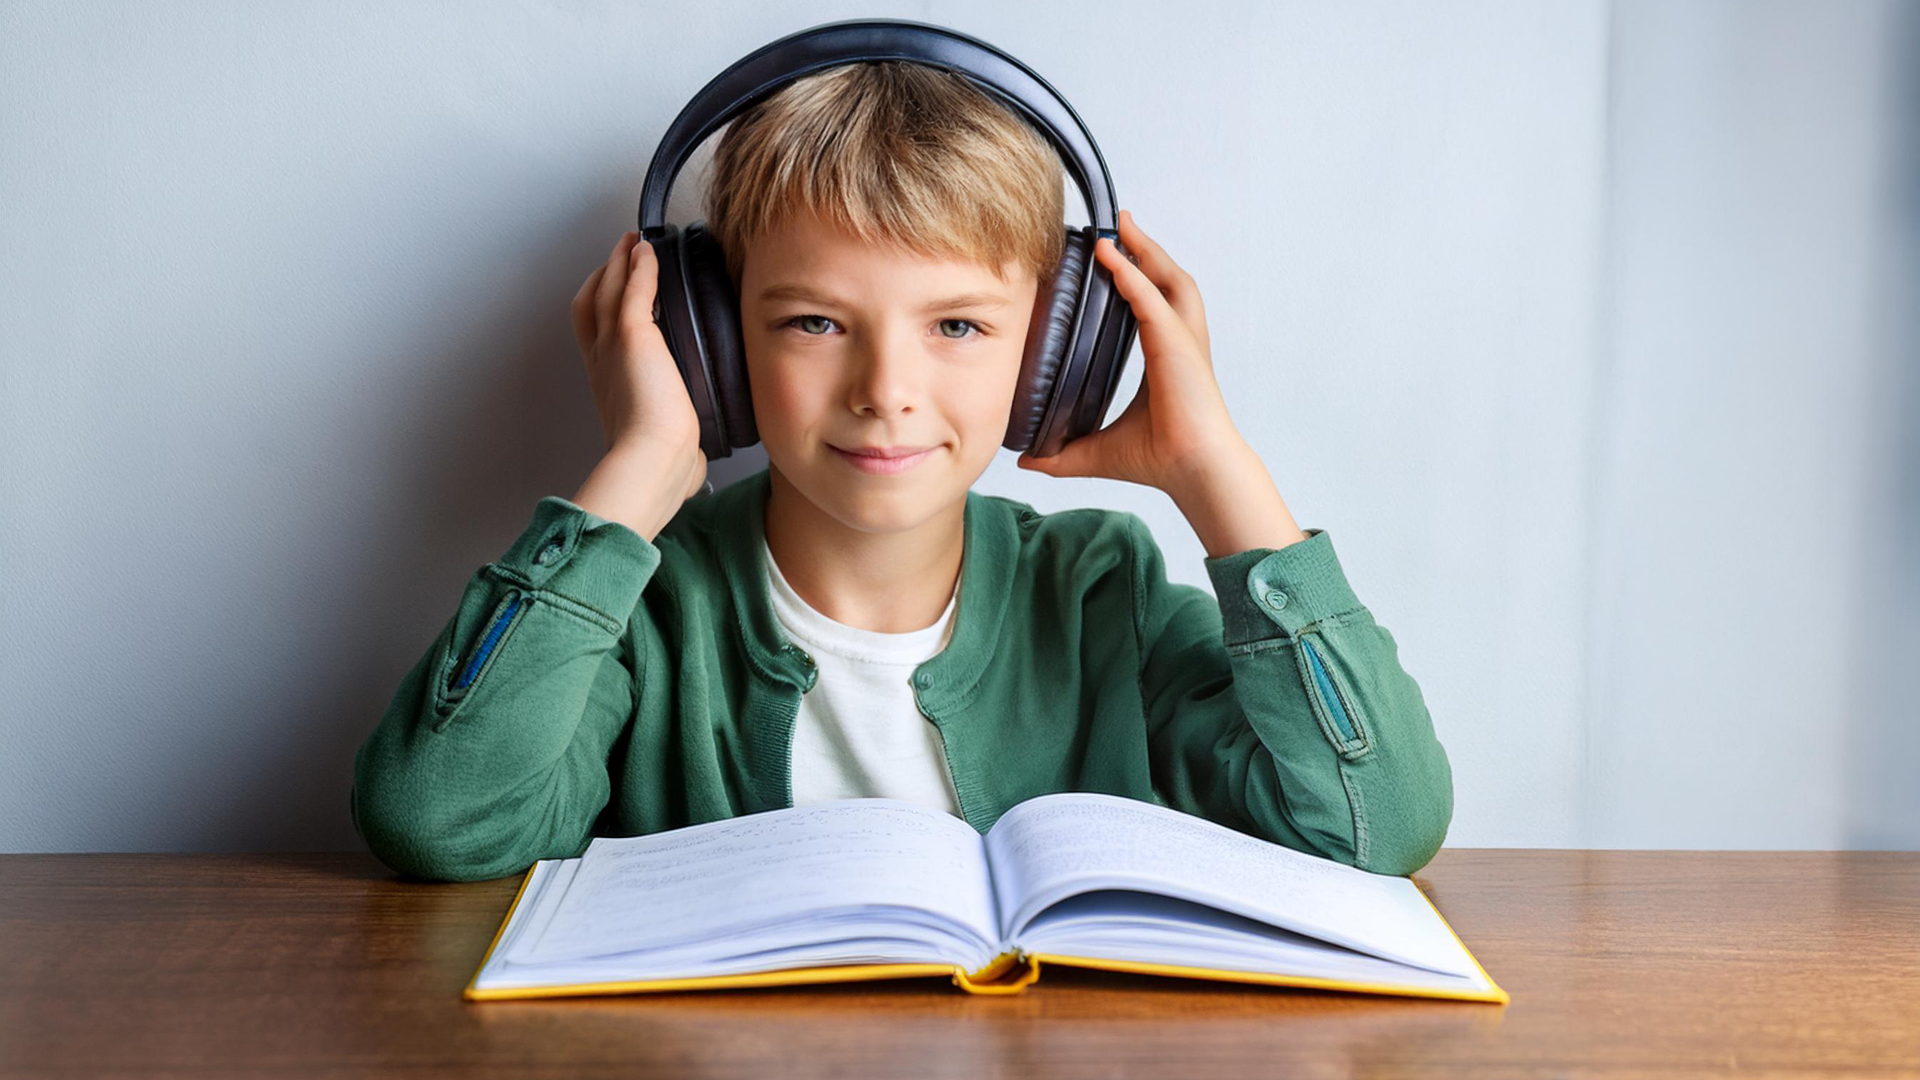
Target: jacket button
{"type": "Point", "coordinates": [1276, 599]}
{"type": "Point", "coordinates": [923, 680]}
{"type": "Point", "coordinates": [550, 552]}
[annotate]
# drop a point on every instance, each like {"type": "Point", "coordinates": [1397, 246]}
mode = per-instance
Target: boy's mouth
{"type": "Point", "coordinates": [883, 460]}
{"type": "Point", "coordinates": [883, 451]}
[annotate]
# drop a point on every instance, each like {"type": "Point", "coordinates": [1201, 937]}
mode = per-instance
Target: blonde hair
{"type": "Point", "coordinates": [898, 153]}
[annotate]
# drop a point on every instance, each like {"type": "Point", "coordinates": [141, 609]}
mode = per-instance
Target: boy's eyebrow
{"type": "Point", "coordinates": [797, 291]}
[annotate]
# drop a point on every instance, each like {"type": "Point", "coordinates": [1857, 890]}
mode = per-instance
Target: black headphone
{"type": "Point", "coordinates": [1074, 355]}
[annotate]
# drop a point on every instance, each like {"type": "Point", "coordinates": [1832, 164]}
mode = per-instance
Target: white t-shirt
{"type": "Point", "coordinates": [859, 732]}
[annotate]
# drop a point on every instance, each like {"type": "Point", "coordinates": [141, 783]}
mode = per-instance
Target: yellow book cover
{"type": "Point", "coordinates": [871, 889]}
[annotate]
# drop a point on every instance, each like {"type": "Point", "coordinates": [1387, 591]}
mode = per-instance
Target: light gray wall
{"type": "Point", "coordinates": [1746, 408]}
{"type": "Point", "coordinates": [1584, 328]}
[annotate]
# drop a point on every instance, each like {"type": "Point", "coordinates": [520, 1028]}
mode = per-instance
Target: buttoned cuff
{"type": "Point", "coordinates": [1269, 593]}
{"type": "Point", "coordinates": [575, 553]}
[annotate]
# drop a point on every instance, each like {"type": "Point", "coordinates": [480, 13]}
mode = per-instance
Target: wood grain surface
{"type": "Point", "coordinates": [1620, 963]}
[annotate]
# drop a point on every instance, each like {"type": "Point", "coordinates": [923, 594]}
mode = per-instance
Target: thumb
{"type": "Point", "coordinates": [1064, 463]}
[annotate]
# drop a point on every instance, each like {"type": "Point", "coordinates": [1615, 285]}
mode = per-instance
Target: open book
{"type": "Point", "coordinates": [882, 888]}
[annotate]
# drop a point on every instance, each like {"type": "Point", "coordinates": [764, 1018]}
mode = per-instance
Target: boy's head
{"type": "Point", "coordinates": [858, 207]}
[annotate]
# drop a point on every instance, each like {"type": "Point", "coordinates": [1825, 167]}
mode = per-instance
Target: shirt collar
{"type": "Point", "coordinates": [992, 541]}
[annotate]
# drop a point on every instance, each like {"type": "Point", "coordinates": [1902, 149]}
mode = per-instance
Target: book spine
{"type": "Point", "coordinates": [1009, 973]}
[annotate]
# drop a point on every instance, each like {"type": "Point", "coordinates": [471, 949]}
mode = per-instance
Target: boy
{"type": "Point", "coordinates": [854, 619]}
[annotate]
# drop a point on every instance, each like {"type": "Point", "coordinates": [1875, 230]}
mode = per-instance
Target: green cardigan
{"type": "Point", "coordinates": [593, 683]}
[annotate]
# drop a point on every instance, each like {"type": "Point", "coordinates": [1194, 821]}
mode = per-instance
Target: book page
{"type": "Point", "coordinates": [794, 865]}
{"type": "Point", "coordinates": [823, 944]}
{"type": "Point", "coordinates": [1054, 846]}
{"type": "Point", "coordinates": [1129, 925]}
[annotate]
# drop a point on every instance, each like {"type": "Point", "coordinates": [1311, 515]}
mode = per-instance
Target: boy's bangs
{"type": "Point", "coordinates": [898, 154]}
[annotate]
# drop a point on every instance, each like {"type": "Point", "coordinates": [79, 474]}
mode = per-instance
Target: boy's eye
{"type": "Point", "coordinates": [807, 319]}
{"type": "Point", "coordinates": [806, 324]}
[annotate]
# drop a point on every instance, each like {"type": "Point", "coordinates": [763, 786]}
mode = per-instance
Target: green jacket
{"type": "Point", "coordinates": [593, 683]}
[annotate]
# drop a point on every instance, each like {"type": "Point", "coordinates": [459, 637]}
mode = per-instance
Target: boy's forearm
{"type": "Point", "coordinates": [633, 485]}
{"type": "Point", "coordinates": [1344, 760]}
{"type": "Point", "coordinates": [1354, 767]}
{"type": "Point", "coordinates": [1230, 500]}
{"type": "Point", "coordinates": [493, 751]}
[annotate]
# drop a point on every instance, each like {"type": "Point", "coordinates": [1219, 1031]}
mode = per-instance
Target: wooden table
{"type": "Point", "coordinates": [1619, 963]}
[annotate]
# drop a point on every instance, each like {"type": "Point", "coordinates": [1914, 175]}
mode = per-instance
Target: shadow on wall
{"type": "Point", "coordinates": [1884, 810]}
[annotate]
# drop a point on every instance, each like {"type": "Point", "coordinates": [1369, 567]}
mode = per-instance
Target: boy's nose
{"type": "Point", "coordinates": [887, 377]}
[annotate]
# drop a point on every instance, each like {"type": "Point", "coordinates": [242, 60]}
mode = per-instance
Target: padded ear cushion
{"type": "Point", "coordinates": [716, 310]}
{"type": "Point", "coordinates": [1056, 315]}
{"type": "Point", "coordinates": [674, 316]}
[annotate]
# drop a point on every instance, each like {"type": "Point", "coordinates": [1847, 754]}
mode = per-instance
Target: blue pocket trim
{"type": "Point", "coordinates": [487, 643]}
{"type": "Point", "coordinates": [1327, 693]}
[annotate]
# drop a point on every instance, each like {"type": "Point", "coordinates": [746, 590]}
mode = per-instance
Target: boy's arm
{"type": "Point", "coordinates": [1303, 728]}
{"type": "Point", "coordinates": [492, 753]}
{"type": "Point", "coordinates": [1280, 707]}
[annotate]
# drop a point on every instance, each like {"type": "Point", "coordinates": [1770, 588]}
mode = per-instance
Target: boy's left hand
{"type": "Point", "coordinates": [1177, 423]}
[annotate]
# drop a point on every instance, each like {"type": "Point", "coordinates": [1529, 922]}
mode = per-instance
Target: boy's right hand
{"type": "Point", "coordinates": [636, 385]}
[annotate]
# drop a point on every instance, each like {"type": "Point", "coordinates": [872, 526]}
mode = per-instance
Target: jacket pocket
{"type": "Point", "coordinates": [468, 673]}
{"type": "Point", "coordinates": [1335, 708]}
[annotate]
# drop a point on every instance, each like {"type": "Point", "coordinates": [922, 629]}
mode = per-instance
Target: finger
{"type": "Point", "coordinates": [1168, 276]}
{"type": "Point", "coordinates": [1151, 309]}
{"type": "Point", "coordinates": [636, 308]}
{"type": "Point", "coordinates": [584, 330]}
{"type": "Point", "coordinates": [1049, 465]}
{"type": "Point", "coordinates": [606, 303]}
{"type": "Point", "coordinates": [1069, 460]}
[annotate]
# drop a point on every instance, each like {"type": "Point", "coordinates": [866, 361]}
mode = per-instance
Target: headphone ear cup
{"type": "Point", "coordinates": [716, 315]}
{"type": "Point", "coordinates": [673, 314]}
{"type": "Point", "coordinates": [1056, 318]}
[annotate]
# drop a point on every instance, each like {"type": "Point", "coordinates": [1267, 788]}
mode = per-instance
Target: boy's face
{"type": "Point", "coordinates": [851, 346]}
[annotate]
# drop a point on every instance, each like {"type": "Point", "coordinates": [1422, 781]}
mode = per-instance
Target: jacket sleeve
{"type": "Point", "coordinates": [1279, 707]}
{"type": "Point", "coordinates": [492, 753]}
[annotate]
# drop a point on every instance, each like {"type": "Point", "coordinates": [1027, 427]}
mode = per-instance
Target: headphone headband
{"type": "Point", "coordinates": [779, 62]}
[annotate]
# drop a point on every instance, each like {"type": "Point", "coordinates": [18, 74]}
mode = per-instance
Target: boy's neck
{"type": "Point", "coordinates": [889, 582]}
